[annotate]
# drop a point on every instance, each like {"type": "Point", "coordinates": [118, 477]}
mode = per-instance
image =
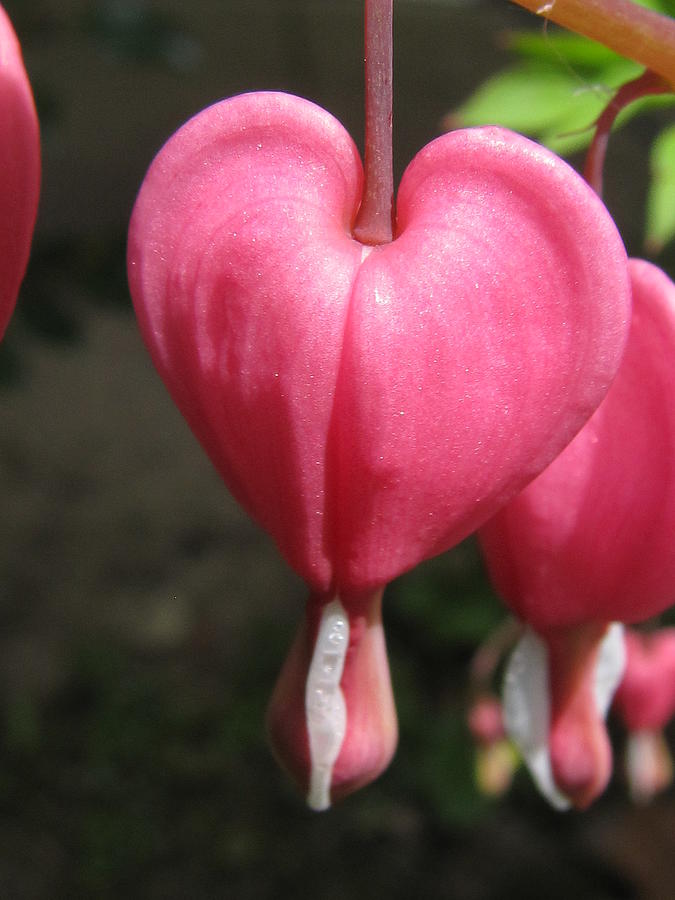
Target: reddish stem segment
{"type": "Point", "coordinates": [646, 84]}
{"type": "Point", "coordinates": [374, 221]}
{"type": "Point", "coordinates": [628, 29]}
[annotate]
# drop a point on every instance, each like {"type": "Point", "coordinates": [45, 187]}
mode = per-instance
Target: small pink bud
{"type": "Point", "coordinates": [496, 757]}
{"type": "Point", "coordinates": [485, 720]}
{"type": "Point", "coordinates": [19, 169]}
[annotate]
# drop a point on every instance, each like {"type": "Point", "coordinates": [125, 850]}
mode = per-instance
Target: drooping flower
{"type": "Point", "coordinates": [645, 703]}
{"type": "Point", "coordinates": [588, 543]}
{"type": "Point", "coordinates": [19, 169]}
{"type": "Point", "coordinates": [369, 406]}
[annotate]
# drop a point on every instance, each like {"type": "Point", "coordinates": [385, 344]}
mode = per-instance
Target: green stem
{"type": "Point", "coordinates": [374, 221]}
{"type": "Point", "coordinates": [628, 29]}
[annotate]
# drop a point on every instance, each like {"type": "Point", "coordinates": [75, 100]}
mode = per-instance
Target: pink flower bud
{"type": "Point", "coordinates": [485, 720]}
{"type": "Point", "coordinates": [590, 540]}
{"type": "Point", "coordinates": [369, 405]}
{"type": "Point", "coordinates": [19, 169]}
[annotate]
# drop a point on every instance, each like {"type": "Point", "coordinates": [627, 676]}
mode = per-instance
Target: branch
{"type": "Point", "coordinates": [630, 30]}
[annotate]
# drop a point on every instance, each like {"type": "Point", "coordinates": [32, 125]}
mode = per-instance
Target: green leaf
{"type": "Point", "coordinates": [546, 102]}
{"type": "Point", "coordinates": [556, 107]}
{"type": "Point", "coordinates": [525, 98]}
{"type": "Point", "coordinates": [667, 7]}
{"type": "Point", "coordinates": [661, 196]}
{"type": "Point", "coordinates": [564, 46]}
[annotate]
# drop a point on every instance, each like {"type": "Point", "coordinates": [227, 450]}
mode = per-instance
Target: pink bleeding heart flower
{"type": "Point", "coordinates": [19, 169]}
{"type": "Point", "coordinates": [645, 703]}
{"type": "Point", "coordinates": [587, 543]}
{"type": "Point", "coordinates": [368, 405]}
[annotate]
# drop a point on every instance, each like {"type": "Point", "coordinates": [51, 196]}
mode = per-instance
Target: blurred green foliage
{"type": "Point", "coordinates": [555, 89]}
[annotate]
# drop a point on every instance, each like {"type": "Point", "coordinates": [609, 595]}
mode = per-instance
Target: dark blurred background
{"type": "Point", "coordinates": [144, 617]}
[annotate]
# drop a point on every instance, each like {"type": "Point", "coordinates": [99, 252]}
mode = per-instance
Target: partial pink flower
{"type": "Point", "coordinates": [589, 542]}
{"type": "Point", "coordinates": [645, 703]}
{"type": "Point", "coordinates": [369, 405]}
{"type": "Point", "coordinates": [19, 169]}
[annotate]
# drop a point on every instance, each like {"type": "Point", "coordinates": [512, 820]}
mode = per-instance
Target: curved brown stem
{"type": "Point", "coordinates": [646, 84]}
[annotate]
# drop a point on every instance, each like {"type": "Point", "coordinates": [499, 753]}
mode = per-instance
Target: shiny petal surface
{"type": "Point", "coordinates": [19, 169]}
{"type": "Point", "coordinates": [477, 343]}
{"type": "Point", "coordinates": [241, 267]}
{"type": "Point", "coordinates": [372, 406]}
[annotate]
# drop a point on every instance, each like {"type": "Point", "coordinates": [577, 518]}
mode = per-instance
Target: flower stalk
{"type": "Point", "coordinates": [375, 218]}
{"type": "Point", "coordinates": [644, 85]}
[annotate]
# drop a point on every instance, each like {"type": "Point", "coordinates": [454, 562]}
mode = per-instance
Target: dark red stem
{"type": "Point", "coordinates": [375, 218]}
{"type": "Point", "coordinates": [646, 84]}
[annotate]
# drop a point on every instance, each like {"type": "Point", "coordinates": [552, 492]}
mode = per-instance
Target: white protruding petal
{"type": "Point", "coordinates": [527, 704]}
{"type": "Point", "coordinates": [609, 667]}
{"type": "Point", "coordinates": [325, 709]}
{"type": "Point", "coordinates": [527, 712]}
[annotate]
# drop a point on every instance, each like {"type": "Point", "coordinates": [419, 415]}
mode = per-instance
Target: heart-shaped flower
{"type": "Point", "coordinates": [370, 405]}
{"type": "Point", "coordinates": [19, 169]}
{"type": "Point", "coordinates": [590, 542]}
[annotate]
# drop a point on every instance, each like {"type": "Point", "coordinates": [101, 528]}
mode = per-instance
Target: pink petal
{"type": "Point", "coordinates": [370, 407]}
{"type": "Point", "coordinates": [477, 344]}
{"type": "Point", "coordinates": [241, 266]}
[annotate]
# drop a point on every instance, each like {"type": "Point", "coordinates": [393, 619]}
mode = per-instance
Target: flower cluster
{"type": "Point", "coordinates": [372, 396]}
{"type": "Point", "coordinates": [371, 402]}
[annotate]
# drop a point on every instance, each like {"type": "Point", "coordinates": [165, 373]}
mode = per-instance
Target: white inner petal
{"type": "Point", "coordinates": [325, 709]}
{"type": "Point", "coordinates": [610, 667]}
{"type": "Point", "coordinates": [527, 712]}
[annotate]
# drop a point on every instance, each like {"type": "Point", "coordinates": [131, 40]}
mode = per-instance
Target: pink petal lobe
{"type": "Point", "coordinates": [591, 538]}
{"type": "Point", "coordinates": [477, 344]}
{"type": "Point", "coordinates": [19, 169]}
{"type": "Point", "coordinates": [241, 267]}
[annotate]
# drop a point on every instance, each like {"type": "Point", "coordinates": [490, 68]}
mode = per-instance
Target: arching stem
{"type": "Point", "coordinates": [374, 221]}
{"type": "Point", "coordinates": [646, 84]}
{"type": "Point", "coordinates": [628, 29]}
